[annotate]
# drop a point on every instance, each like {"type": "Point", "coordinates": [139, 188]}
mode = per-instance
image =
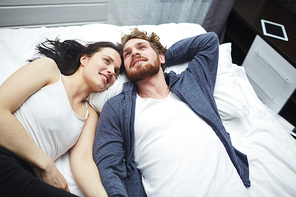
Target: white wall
{"type": "Point", "coordinates": [14, 13]}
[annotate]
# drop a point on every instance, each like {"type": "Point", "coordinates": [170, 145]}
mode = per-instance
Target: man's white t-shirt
{"type": "Point", "coordinates": [179, 154]}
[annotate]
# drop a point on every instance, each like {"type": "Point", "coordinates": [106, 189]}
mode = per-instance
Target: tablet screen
{"type": "Point", "coordinates": [274, 30]}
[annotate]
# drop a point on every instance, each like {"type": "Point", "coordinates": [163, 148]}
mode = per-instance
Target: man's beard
{"type": "Point", "coordinates": [145, 71]}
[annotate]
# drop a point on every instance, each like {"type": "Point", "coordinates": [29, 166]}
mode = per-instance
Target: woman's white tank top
{"type": "Point", "coordinates": [50, 120]}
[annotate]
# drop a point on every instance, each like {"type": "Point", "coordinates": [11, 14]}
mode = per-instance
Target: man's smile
{"type": "Point", "coordinates": [137, 61]}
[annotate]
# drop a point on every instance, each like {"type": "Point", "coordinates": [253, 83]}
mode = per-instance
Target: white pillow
{"type": "Point", "coordinates": [228, 95]}
{"type": "Point", "coordinates": [98, 99]}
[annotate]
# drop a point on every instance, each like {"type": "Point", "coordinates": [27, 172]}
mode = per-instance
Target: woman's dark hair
{"type": "Point", "coordinates": [67, 54]}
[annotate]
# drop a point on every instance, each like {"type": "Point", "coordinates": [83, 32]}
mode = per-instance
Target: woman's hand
{"type": "Point", "coordinates": [13, 136]}
{"type": "Point", "coordinates": [52, 176]}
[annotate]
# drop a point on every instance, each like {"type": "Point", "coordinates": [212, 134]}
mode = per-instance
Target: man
{"type": "Point", "coordinates": [162, 136]}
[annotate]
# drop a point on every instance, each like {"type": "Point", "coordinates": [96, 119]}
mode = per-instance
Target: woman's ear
{"type": "Point", "coordinates": [83, 59]}
{"type": "Point", "coordinates": [161, 58]}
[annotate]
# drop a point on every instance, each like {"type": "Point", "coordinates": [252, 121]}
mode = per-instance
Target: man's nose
{"type": "Point", "coordinates": [135, 53]}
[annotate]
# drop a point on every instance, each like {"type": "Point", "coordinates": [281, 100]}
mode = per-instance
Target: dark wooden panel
{"type": "Point", "coordinates": [250, 12]}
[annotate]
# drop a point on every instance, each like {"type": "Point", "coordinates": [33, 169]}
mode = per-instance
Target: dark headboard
{"type": "Point", "coordinates": [289, 5]}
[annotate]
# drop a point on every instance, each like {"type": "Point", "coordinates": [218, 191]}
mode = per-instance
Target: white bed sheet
{"type": "Point", "coordinates": [258, 132]}
{"type": "Point", "coordinates": [264, 137]}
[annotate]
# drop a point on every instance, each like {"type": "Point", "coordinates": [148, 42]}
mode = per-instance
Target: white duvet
{"type": "Point", "coordinates": [254, 129]}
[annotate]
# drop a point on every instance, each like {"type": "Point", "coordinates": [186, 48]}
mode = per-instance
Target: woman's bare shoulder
{"type": "Point", "coordinates": [47, 68]}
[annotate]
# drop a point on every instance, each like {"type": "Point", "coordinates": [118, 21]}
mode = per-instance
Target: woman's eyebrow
{"type": "Point", "coordinates": [109, 58]}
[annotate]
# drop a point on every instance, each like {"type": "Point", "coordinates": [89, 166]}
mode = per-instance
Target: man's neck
{"type": "Point", "coordinates": [153, 87]}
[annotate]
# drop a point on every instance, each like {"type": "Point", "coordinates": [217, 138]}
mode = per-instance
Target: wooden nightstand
{"type": "Point", "coordinates": [270, 63]}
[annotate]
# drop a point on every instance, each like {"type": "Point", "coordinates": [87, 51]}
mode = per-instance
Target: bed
{"type": "Point", "coordinates": [254, 129]}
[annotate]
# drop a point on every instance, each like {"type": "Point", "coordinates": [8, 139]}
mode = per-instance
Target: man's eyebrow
{"type": "Point", "coordinates": [125, 50]}
{"type": "Point", "coordinates": [137, 44]}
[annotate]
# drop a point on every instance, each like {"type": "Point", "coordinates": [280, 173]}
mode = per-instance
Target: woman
{"type": "Point", "coordinates": [43, 114]}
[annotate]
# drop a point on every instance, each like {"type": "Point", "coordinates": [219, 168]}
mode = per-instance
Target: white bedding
{"type": "Point", "coordinates": [254, 128]}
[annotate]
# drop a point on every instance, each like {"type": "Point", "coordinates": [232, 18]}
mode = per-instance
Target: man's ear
{"type": "Point", "coordinates": [83, 59]}
{"type": "Point", "coordinates": [161, 58]}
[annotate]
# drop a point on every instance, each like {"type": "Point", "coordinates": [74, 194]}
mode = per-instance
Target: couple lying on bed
{"type": "Point", "coordinates": [162, 136]}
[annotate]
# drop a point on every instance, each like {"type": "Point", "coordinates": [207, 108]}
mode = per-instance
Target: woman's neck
{"type": "Point", "coordinates": [76, 90]}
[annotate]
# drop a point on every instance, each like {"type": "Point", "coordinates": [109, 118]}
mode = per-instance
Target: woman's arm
{"type": "Point", "coordinates": [83, 167]}
{"type": "Point", "coordinates": [13, 93]}
{"type": "Point", "coordinates": [109, 150]}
